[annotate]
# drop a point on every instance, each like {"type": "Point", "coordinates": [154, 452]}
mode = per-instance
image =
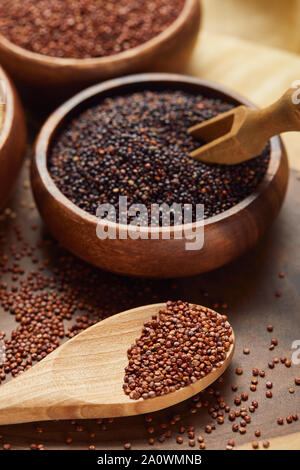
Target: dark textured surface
{"type": "Point", "coordinates": [248, 287]}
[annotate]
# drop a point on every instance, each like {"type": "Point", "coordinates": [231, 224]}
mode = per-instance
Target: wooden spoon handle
{"type": "Point", "coordinates": [36, 396]}
{"type": "Point", "coordinates": [30, 397]}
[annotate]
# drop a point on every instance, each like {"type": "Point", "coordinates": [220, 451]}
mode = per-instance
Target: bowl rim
{"type": "Point", "coordinates": [145, 47]}
{"type": "Point", "coordinates": [48, 131]}
{"type": "Point", "coordinates": [9, 109]}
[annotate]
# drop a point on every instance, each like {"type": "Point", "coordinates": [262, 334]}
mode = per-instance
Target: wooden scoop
{"type": "Point", "coordinates": [242, 133]}
{"type": "Point", "coordinates": [83, 378]}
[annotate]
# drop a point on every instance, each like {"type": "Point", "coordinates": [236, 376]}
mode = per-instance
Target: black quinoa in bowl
{"type": "Point", "coordinates": [137, 145]}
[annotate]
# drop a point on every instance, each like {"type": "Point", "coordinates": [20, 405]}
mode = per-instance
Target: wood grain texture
{"type": "Point", "coordinates": [242, 133]}
{"type": "Point", "coordinates": [76, 229]}
{"type": "Point", "coordinates": [52, 77]}
{"type": "Point", "coordinates": [12, 140]}
{"type": "Point", "coordinates": [84, 377]}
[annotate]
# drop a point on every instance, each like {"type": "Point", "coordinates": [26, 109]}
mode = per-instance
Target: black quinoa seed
{"type": "Point", "coordinates": [137, 146]}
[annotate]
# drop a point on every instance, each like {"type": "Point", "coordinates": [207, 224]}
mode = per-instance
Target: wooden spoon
{"type": "Point", "coordinates": [83, 378]}
{"type": "Point", "coordinates": [242, 133]}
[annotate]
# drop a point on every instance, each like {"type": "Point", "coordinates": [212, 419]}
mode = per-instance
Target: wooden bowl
{"type": "Point", "coordinates": [62, 77]}
{"type": "Point", "coordinates": [12, 140]}
{"type": "Point", "coordinates": [227, 235]}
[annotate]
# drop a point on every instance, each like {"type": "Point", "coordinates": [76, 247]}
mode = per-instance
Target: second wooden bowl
{"type": "Point", "coordinates": [12, 139]}
{"type": "Point", "coordinates": [62, 77]}
{"type": "Point", "coordinates": [226, 235]}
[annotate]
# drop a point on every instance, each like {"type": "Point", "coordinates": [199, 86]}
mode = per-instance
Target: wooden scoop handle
{"type": "Point", "coordinates": [261, 124]}
{"type": "Point", "coordinates": [284, 114]}
{"type": "Point", "coordinates": [281, 116]}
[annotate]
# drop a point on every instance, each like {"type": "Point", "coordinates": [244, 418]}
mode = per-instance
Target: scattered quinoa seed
{"type": "Point", "coordinates": [208, 429]}
{"type": "Point", "coordinates": [85, 28]}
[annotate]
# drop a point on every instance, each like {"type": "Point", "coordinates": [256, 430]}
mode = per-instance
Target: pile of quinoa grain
{"type": "Point", "coordinates": [179, 346]}
{"type": "Point", "coordinates": [85, 28]}
{"type": "Point", "coordinates": [137, 146]}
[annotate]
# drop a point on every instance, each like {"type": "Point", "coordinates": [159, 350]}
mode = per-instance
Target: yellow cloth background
{"type": "Point", "coordinates": [252, 47]}
{"type": "Point", "coordinates": [273, 23]}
